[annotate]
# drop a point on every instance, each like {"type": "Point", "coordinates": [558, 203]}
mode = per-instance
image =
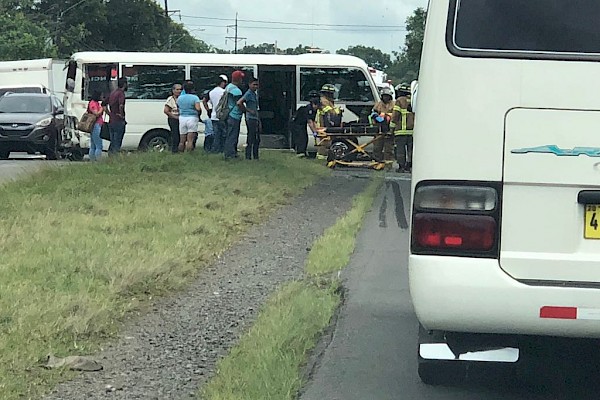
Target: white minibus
{"type": "Point", "coordinates": [285, 82]}
{"type": "Point", "coordinates": [505, 239]}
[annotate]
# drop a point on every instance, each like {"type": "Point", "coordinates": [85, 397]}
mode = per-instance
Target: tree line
{"type": "Point", "coordinates": [47, 28]}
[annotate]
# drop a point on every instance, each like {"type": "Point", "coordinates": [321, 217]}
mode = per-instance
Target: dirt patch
{"type": "Point", "coordinates": [170, 352]}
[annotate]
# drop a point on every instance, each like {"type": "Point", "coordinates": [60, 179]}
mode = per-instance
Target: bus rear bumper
{"type": "Point", "coordinates": [468, 295]}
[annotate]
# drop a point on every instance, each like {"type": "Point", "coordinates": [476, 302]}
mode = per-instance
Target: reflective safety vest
{"type": "Point", "coordinates": [406, 121]}
{"type": "Point", "coordinates": [328, 116]}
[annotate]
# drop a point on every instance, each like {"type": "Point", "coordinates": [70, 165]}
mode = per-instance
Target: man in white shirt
{"type": "Point", "coordinates": [218, 126]}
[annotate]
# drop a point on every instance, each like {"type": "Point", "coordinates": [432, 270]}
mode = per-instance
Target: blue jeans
{"type": "Point", "coordinates": [117, 131]}
{"type": "Point", "coordinates": [253, 139]}
{"type": "Point", "coordinates": [96, 143]}
{"type": "Point", "coordinates": [219, 137]}
{"type": "Point", "coordinates": [233, 135]}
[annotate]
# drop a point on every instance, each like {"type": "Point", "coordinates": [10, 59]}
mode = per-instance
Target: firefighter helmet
{"type": "Point", "coordinates": [328, 90]}
{"type": "Point", "coordinates": [403, 89]}
{"type": "Point", "coordinates": [387, 91]}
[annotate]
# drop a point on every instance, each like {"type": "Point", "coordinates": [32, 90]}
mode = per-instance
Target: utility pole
{"type": "Point", "coordinates": [235, 38]}
{"type": "Point", "coordinates": [168, 12]}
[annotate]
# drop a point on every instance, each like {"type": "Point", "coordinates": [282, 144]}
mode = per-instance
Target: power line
{"type": "Point", "coordinates": [303, 29]}
{"type": "Point", "coordinates": [297, 23]}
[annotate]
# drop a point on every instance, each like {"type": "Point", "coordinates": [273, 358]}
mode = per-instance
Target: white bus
{"type": "Point", "coordinates": [285, 82]}
{"type": "Point", "coordinates": [28, 75]}
{"type": "Point", "coordinates": [505, 248]}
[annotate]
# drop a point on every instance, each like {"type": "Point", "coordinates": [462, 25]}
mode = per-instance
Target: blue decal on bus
{"type": "Point", "coordinates": [553, 149]}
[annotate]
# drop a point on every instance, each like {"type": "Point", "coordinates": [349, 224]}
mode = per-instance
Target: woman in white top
{"type": "Point", "coordinates": [172, 112]}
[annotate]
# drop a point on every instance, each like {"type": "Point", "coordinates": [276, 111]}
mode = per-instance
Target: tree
{"type": "Point", "coordinates": [182, 41]}
{"type": "Point", "coordinates": [264, 48]}
{"type": "Point", "coordinates": [408, 61]}
{"type": "Point", "coordinates": [300, 49]}
{"type": "Point", "coordinates": [372, 56]}
{"type": "Point", "coordinates": [21, 39]}
{"type": "Point", "coordinates": [40, 28]}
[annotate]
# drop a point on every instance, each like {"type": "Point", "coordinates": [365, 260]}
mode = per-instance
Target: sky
{"type": "Point", "coordinates": [327, 24]}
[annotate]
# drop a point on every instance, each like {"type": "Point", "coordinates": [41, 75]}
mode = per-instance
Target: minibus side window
{"type": "Point", "coordinates": [152, 82]}
{"type": "Point", "coordinates": [101, 78]}
{"type": "Point", "coordinates": [351, 84]}
{"type": "Point", "coordinates": [206, 77]}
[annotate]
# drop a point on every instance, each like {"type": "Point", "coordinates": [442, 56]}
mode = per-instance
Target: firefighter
{"type": "Point", "coordinates": [383, 147]}
{"type": "Point", "coordinates": [403, 122]}
{"type": "Point", "coordinates": [328, 116]}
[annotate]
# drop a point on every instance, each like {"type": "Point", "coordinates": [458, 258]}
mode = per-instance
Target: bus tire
{"type": "Point", "coordinates": [156, 140]}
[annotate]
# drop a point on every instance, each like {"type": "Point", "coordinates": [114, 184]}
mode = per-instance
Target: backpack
{"type": "Point", "coordinates": [222, 109]}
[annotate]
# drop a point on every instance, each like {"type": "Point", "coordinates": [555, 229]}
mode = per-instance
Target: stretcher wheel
{"type": "Point", "coordinates": [338, 150]}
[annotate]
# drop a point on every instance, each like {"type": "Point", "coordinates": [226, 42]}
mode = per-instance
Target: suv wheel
{"type": "Point", "coordinates": [4, 153]}
{"type": "Point", "coordinates": [51, 151]}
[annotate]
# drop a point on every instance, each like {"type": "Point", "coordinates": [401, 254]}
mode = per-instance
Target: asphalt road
{"type": "Point", "coordinates": [371, 353]}
{"type": "Point", "coordinates": [21, 164]}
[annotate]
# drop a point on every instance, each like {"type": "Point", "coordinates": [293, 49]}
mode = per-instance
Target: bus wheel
{"type": "Point", "coordinates": [157, 140]}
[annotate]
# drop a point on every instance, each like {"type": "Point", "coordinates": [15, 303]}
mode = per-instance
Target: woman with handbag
{"type": "Point", "coordinates": [95, 108]}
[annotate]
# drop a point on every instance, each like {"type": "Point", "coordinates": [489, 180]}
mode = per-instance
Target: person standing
{"type": "Point", "coordinates": [218, 126]}
{"type": "Point", "coordinates": [172, 113]}
{"type": "Point", "coordinates": [328, 116]}
{"type": "Point", "coordinates": [383, 147]}
{"type": "Point", "coordinates": [234, 119]}
{"type": "Point", "coordinates": [189, 111]}
{"type": "Point", "coordinates": [209, 134]}
{"type": "Point", "coordinates": [403, 122]}
{"type": "Point", "coordinates": [305, 115]}
{"type": "Point", "coordinates": [116, 112]}
{"type": "Point", "coordinates": [96, 108]}
{"type": "Point", "coordinates": [248, 104]}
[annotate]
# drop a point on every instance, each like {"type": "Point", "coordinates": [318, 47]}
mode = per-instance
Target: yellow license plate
{"type": "Point", "coordinates": [592, 225]}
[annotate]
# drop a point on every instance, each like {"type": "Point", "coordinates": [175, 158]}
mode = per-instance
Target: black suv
{"type": "Point", "coordinates": [30, 122]}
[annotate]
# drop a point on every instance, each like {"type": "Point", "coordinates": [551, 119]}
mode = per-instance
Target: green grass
{"type": "Point", "coordinates": [84, 244]}
{"type": "Point", "coordinates": [331, 252]}
{"type": "Point", "coordinates": [268, 362]}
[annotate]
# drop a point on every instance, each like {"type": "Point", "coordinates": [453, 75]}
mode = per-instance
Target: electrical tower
{"type": "Point", "coordinates": [235, 38]}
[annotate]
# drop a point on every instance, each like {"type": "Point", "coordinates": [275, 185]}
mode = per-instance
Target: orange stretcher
{"type": "Point", "coordinates": [344, 147]}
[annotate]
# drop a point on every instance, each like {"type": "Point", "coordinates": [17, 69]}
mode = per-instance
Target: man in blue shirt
{"type": "Point", "coordinates": [249, 104]}
{"type": "Point", "coordinates": [233, 93]}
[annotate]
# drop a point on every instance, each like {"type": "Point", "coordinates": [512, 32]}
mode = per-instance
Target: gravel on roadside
{"type": "Point", "coordinates": [172, 350]}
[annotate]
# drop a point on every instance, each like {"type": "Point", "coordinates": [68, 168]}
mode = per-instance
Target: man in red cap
{"type": "Point", "coordinates": [234, 119]}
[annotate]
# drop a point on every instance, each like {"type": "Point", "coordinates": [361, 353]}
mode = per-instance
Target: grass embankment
{"type": "Point", "coordinates": [82, 245]}
{"type": "Point", "coordinates": [268, 362]}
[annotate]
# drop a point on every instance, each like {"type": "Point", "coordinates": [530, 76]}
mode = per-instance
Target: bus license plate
{"type": "Point", "coordinates": [592, 225]}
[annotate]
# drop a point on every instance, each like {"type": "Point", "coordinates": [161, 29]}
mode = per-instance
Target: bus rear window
{"type": "Point", "coordinates": [532, 26]}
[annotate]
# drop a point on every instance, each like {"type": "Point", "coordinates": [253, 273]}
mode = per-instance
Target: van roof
{"type": "Point", "coordinates": [27, 85]}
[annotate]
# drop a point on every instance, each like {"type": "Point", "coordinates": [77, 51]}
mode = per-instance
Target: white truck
{"type": "Point", "coordinates": [47, 72]}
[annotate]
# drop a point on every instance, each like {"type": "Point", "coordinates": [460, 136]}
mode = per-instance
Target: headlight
{"type": "Point", "coordinates": [44, 122]}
